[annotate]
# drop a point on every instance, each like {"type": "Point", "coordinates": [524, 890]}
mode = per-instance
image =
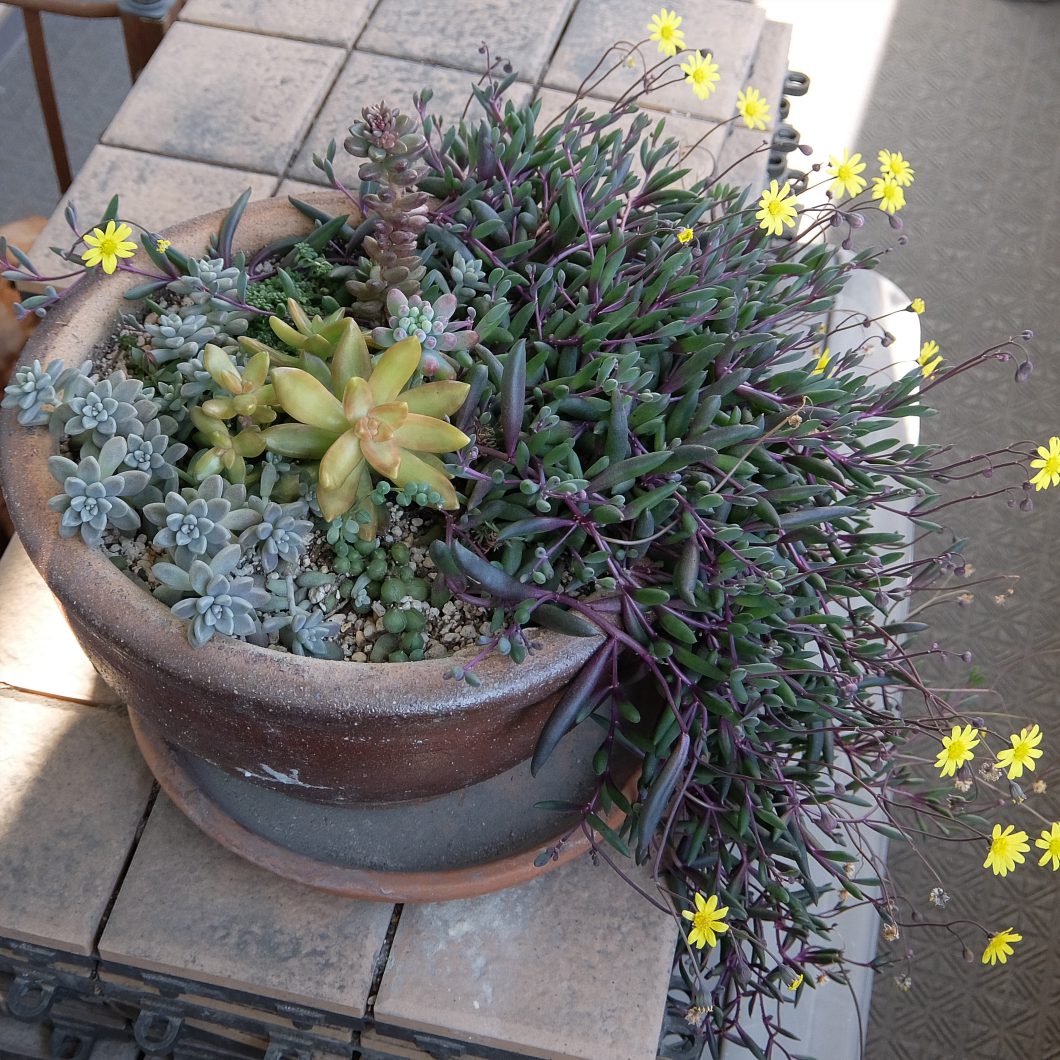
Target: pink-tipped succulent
{"type": "Point", "coordinates": [431, 324]}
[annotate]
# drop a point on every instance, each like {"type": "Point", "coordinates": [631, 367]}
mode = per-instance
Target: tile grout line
{"type": "Point", "coordinates": [382, 959]}
{"type": "Point", "coordinates": [126, 865]}
{"type": "Point", "coordinates": [286, 172]}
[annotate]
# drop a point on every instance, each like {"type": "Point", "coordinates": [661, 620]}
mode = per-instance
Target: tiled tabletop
{"type": "Point", "coordinates": [189, 138]}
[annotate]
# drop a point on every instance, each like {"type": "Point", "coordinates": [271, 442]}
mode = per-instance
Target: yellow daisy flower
{"type": "Point", "coordinates": [894, 167]}
{"type": "Point", "coordinates": [822, 362]}
{"type": "Point", "coordinates": [891, 196]}
{"type": "Point", "coordinates": [917, 306]}
{"type": "Point", "coordinates": [685, 235]}
{"type": "Point", "coordinates": [1006, 850]}
{"type": "Point", "coordinates": [999, 948]}
{"type": "Point", "coordinates": [1050, 843]}
{"type": "Point", "coordinates": [1022, 753]}
{"type": "Point", "coordinates": [1049, 466]}
{"type": "Point", "coordinates": [106, 246]}
{"type": "Point", "coordinates": [707, 921]}
{"type": "Point", "coordinates": [701, 72]}
{"type": "Point", "coordinates": [928, 360]}
{"type": "Point", "coordinates": [776, 208]}
{"type": "Point", "coordinates": [956, 749]}
{"type": "Point", "coordinates": [663, 29]}
{"type": "Point", "coordinates": [845, 170]}
{"type": "Point", "coordinates": [753, 108]}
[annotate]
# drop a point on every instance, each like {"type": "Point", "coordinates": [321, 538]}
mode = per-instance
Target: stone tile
{"type": "Point", "coordinates": [155, 190]}
{"type": "Point", "coordinates": [217, 95]}
{"type": "Point", "coordinates": [770, 65]}
{"type": "Point", "coordinates": [743, 159]}
{"type": "Point", "coordinates": [297, 188]}
{"type": "Point", "coordinates": [320, 21]}
{"type": "Point", "coordinates": [27, 1041]}
{"type": "Point", "coordinates": [539, 970]}
{"type": "Point", "coordinates": [452, 35]}
{"type": "Point", "coordinates": [727, 28]}
{"type": "Point", "coordinates": [74, 793]}
{"type": "Point", "coordinates": [366, 79]}
{"type": "Point", "coordinates": [188, 907]}
{"type": "Point", "coordinates": [38, 652]}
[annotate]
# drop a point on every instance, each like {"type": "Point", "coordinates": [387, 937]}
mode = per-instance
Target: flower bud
{"type": "Point", "coordinates": [895, 222]}
{"type": "Point", "coordinates": [856, 220]}
{"type": "Point", "coordinates": [1024, 370]}
{"type": "Point", "coordinates": [1027, 335]}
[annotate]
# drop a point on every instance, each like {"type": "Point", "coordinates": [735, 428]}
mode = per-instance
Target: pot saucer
{"type": "Point", "coordinates": [480, 839]}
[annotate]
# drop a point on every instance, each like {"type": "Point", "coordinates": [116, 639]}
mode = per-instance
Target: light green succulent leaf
{"type": "Point", "coordinates": [299, 441]}
{"type": "Point", "coordinates": [286, 334]}
{"type": "Point", "coordinates": [351, 357]}
{"type": "Point", "coordinates": [307, 400]}
{"type": "Point", "coordinates": [443, 398]}
{"type": "Point", "coordinates": [220, 408]}
{"type": "Point", "coordinates": [211, 428]}
{"type": "Point", "coordinates": [339, 461]}
{"type": "Point", "coordinates": [276, 357]}
{"type": "Point", "coordinates": [394, 369]}
{"type": "Point", "coordinates": [249, 442]}
{"type": "Point", "coordinates": [338, 501]}
{"type": "Point", "coordinates": [256, 371]}
{"type": "Point", "coordinates": [222, 368]}
{"type": "Point", "coordinates": [429, 435]}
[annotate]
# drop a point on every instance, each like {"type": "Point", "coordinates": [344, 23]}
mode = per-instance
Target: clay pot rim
{"type": "Point", "coordinates": [103, 598]}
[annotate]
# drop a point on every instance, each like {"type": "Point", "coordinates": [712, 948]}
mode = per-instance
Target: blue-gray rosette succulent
{"type": "Point", "coordinates": [93, 489]}
{"type": "Point", "coordinates": [213, 600]}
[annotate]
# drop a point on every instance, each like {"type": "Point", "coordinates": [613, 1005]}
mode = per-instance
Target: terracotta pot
{"type": "Point", "coordinates": [323, 731]}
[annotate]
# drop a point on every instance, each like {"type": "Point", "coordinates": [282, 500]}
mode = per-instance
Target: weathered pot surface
{"type": "Point", "coordinates": [320, 730]}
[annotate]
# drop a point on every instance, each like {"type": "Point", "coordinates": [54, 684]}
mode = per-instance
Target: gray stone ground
{"type": "Point", "coordinates": [970, 90]}
{"type": "Point", "coordinates": [91, 80]}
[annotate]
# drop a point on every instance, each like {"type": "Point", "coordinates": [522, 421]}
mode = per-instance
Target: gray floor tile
{"type": "Point", "coordinates": [244, 99]}
{"type": "Point", "coordinates": [440, 31]}
{"type": "Point", "coordinates": [75, 790]}
{"type": "Point", "coordinates": [368, 78]}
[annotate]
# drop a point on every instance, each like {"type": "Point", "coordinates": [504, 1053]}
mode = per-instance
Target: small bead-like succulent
{"type": "Point", "coordinates": [367, 420]}
{"type": "Point", "coordinates": [280, 536]}
{"type": "Point", "coordinates": [178, 338]}
{"type": "Point", "coordinates": [93, 489]}
{"type": "Point", "coordinates": [33, 390]}
{"type": "Point", "coordinates": [215, 601]}
{"type": "Point", "coordinates": [97, 410]}
{"type": "Point", "coordinates": [431, 324]}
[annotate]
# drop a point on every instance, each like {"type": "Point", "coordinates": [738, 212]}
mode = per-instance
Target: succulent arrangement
{"type": "Point", "coordinates": [600, 394]}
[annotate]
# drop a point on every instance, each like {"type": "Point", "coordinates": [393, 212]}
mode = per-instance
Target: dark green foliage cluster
{"type": "Point", "coordinates": [306, 279]}
{"type": "Point", "coordinates": [657, 459]}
